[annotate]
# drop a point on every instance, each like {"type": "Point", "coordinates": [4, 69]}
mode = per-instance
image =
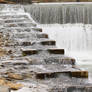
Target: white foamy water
{"type": "Point", "coordinates": [76, 39]}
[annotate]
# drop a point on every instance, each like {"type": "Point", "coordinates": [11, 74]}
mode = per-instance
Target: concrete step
{"type": "Point", "coordinates": [37, 29]}
{"type": "Point", "coordinates": [56, 51]}
{"type": "Point", "coordinates": [48, 42]}
{"type": "Point", "coordinates": [20, 25]}
{"type": "Point", "coordinates": [60, 60]}
{"type": "Point", "coordinates": [23, 43]}
{"type": "Point", "coordinates": [42, 35]}
{"type": "Point", "coordinates": [24, 35]}
{"type": "Point", "coordinates": [15, 20]}
{"type": "Point", "coordinates": [43, 71]}
{"type": "Point", "coordinates": [79, 74]}
{"type": "Point", "coordinates": [14, 62]}
{"type": "Point", "coordinates": [51, 60]}
{"type": "Point", "coordinates": [26, 52]}
{"type": "Point", "coordinates": [11, 16]}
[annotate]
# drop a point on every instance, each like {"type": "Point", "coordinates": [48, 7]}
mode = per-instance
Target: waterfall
{"type": "Point", "coordinates": [71, 37]}
{"type": "Point", "coordinates": [61, 13]}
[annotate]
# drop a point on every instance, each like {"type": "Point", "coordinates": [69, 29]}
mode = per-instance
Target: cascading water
{"type": "Point", "coordinates": [74, 37]}
{"type": "Point", "coordinates": [61, 13]}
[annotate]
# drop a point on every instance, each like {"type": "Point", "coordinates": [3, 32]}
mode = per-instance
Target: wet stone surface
{"type": "Point", "coordinates": [30, 61]}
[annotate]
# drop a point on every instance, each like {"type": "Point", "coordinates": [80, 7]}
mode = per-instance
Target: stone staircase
{"type": "Point", "coordinates": [30, 61]}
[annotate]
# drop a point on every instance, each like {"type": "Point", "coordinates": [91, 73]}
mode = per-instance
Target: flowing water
{"type": "Point", "coordinates": [61, 13]}
{"type": "Point", "coordinates": [71, 37]}
{"type": "Point", "coordinates": [76, 39]}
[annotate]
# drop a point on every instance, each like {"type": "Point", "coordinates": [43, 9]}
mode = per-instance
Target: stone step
{"type": "Point", "coordinates": [20, 25]}
{"type": "Point", "coordinates": [56, 51]}
{"type": "Point", "coordinates": [43, 35]}
{"type": "Point", "coordinates": [16, 29]}
{"type": "Point", "coordinates": [26, 52]}
{"type": "Point", "coordinates": [51, 60]}
{"type": "Point", "coordinates": [48, 42]}
{"type": "Point", "coordinates": [37, 29]}
{"type": "Point", "coordinates": [43, 71]}
{"type": "Point", "coordinates": [15, 20]}
{"type": "Point", "coordinates": [60, 60]}
{"type": "Point", "coordinates": [24, 35]}
{"type": "Point", "coordinates": [79, 74]}
{"type": "Point", "coordinates": [24, 43]}
{"type": "Point", "coordinates": [13, 16]}
{"type": "Point", "coordinates": [14, 62]}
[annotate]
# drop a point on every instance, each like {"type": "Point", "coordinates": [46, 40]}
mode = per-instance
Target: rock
{"type": "Point", "coordinates": [56, 51]}
{"type": "Point", "coordinates": [15, 62]}
{"type": "Point", "coordinates": [15, 76]}
{"type": "Point", "coordinates": [24, 89]}
{"type": "Point", "coordinates": [10, 84]}
{"type": "Point", "coordinates": [2, 52]}
{"type": "Point", "coordinates": [14, 86]}
{"type": "Point", "coordinates": [4, 89]}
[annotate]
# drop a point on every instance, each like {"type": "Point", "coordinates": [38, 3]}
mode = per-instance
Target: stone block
{"type": "Point", "coordinates": [37, 29]}
{"type": "Point", "coordinates": [29, 52]}
{"type": "Point", "coordinates": [46, 75]}
{"type": "Point", "coordinates": [42, 35]}
{"type": "Point", "coordinates": [49, 42]}
{"type": "Point", "coordinates": [56, 51]}
{"type": "Point", "coordinates": [79, 74]}
{"type": "Point", "coordinates": [26, 43]}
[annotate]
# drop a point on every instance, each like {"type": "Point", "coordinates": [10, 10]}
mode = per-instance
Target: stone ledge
{"type": "Point", "coordinates": [37, 29]}
{"type": "Point", "coordinates": [42, 35]}
{"type": "Point", "coordinates": [56, 51]}
{"type": "Point", "coordinates": [79, 74]}
{"type": "Point", "coordinates": [26, 52]}
{"type": "Point", "coordinates": [48, 42]}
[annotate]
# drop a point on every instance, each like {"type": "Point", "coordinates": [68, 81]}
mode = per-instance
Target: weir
{"type": "Point", "coordinates": [33, 63]}
{"type": "Point", "coordinates": [61, 13]}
